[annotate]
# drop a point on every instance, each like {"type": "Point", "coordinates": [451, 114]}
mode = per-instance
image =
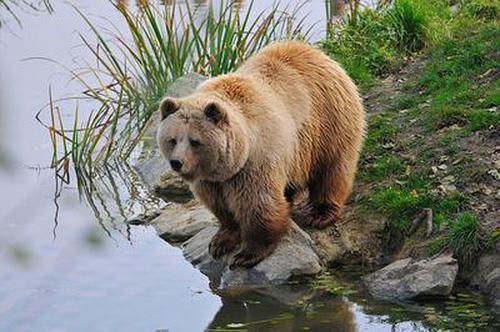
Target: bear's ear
{"type": "Point", "coordinates": [215, 113]}
{"type": "Point", "coordinates": [168, 106]}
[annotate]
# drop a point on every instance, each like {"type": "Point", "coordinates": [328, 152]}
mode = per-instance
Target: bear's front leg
{"type": "Point", "coordinates": [263, 223]}
{"type": "Point", "coordinates": [227, 237]}
{"type": "Point", "coordinates": [225, 240]}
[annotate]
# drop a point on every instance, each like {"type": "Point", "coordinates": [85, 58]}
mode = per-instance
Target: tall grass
{"type": "Point", "coordinates": [164, 41]}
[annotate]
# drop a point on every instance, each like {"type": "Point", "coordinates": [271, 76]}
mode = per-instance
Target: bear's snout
{"type": "Point", "coordinates": [176, 164]}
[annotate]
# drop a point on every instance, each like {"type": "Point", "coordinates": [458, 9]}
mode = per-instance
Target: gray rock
{"type": "Point", "coordinates": [405, 279]}
{"type": "Point", "coordinates": [180, 222]}
{"type": "Point", "coordinates": [172, 188]}
{"type": "Point", "coordinates": [151, 170]}
{"type": "Point", "coordinates": [195, 251]}
{"type": "Point", "coordinates": [299, 254]}
{"type": "Point", "coordinates": [486, 275]}
{"type": "Point", "coordinates": [294, 257]}
{"type": "Point", "coordinates": [185, 85]}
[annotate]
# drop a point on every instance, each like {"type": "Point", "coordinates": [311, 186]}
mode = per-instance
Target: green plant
{"type": "Point", "coordinates": [409, 23]}
{"type": "Point", "coordinates": [464, 238]}
{"type": "Point", "coordinates": [482, 9]}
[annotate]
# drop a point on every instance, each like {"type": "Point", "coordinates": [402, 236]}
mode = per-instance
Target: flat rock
{"type": "Point", "coordinates": [195, 251]}
{"type": "Point", "coordinates": [406, 279]}
{"type": "Point", "coordinates": [294, 257]}
{"type": "Point", "coordinates": [179, 222]}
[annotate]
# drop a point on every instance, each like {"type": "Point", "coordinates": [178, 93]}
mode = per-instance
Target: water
{"type": "Point", "coordinates": [93, 273]}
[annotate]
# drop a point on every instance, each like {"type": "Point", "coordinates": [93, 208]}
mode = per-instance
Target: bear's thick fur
{"type": "Point", "coordinates": [287, 121]}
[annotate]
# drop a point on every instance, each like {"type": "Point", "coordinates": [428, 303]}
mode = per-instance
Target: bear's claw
{"type": "Point", "coordinates": [222, 243]}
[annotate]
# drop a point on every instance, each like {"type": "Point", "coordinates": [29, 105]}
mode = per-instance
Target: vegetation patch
{"type": "Point", "coordinates": [428, 145]}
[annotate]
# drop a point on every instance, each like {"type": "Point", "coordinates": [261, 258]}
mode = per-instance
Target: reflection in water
{"type": "Point", "coordinates": [256, 312]}
{"type": "Point", "coordinates": [10, 9]}
{"type": "Point", "coordinates": [298, 307]}
{"type": "Point", "coordinates": [114, 193]}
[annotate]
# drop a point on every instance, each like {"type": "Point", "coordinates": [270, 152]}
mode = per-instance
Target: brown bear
{"type": "Point", "coordinates": [288, 120]}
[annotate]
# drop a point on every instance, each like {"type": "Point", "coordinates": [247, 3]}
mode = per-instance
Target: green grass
{"type": "Point", "coordinates": [463, 238]}
{"type": "Point", "coordinates": [458, 82]}
{"type": "Point", "coordinates": [456, 96]}
{"type": "Point", "coordinates": [371, 42]}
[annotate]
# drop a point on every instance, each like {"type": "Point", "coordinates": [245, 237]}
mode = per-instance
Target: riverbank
{"type": "Point", "coordinates": [433, 144]}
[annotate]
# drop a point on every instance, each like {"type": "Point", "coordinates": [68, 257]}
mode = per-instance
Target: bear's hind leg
{"type": "Point", "coordinates": [329, 188]}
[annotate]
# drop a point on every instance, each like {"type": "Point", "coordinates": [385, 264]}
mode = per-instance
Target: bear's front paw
{"type": "Point", "coordinates": [251, 256]}
{"type": "Point", "coordinates": [222, 243]}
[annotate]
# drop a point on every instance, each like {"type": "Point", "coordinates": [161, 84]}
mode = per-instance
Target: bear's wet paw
{"type": "Point", "coordinates": [222, 244]}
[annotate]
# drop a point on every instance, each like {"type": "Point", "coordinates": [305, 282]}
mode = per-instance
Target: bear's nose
{"type": "Point", "coordinates": [176, 165]}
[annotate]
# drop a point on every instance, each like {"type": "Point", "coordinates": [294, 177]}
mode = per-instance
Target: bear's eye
{"type": "Point", "coordinates": [172, 141]}
{"type": "Point", "coordinates": [194, 143]}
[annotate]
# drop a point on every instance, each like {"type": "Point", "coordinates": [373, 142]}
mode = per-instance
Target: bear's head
{"type": "Point", "coordinates": [202, 138]}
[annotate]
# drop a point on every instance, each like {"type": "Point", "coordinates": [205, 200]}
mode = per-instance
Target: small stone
{"type": "Point", "coordinates": [483, 206]}
{"type": "Point", "coordinates": [454, 127]}
{"type": "Point", "coordinates": [434, 169]}
{"type": "Point", "coordinates": [443, 158]}
{"type": "Point", "coordinates": [442, 167]}
{"type": "Point", "coordinates": [494, 173]}
{"type": "Point", "coordinates": [179, 222]}
{"type": "Point", "coordinates": [497, 164]}
{"type": "Point", "coordinates": [448, 179]}
{"type": "Point", "coordinates": [447, 188]}
{"type": "Point", "coordinates": [485, 189]}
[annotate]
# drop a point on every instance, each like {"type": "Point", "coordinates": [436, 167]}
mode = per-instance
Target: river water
{"type": "Point", "coordinates": [85, 277]}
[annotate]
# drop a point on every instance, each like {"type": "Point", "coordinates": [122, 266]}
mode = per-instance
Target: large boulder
{"type": "Point", "coordinates": [407, 279]}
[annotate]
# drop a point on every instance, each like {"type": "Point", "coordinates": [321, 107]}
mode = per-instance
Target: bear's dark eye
{"type": "Point", "coordinates": [194, 143]}
{"type": "Point", "coordinates": [172, 141]}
